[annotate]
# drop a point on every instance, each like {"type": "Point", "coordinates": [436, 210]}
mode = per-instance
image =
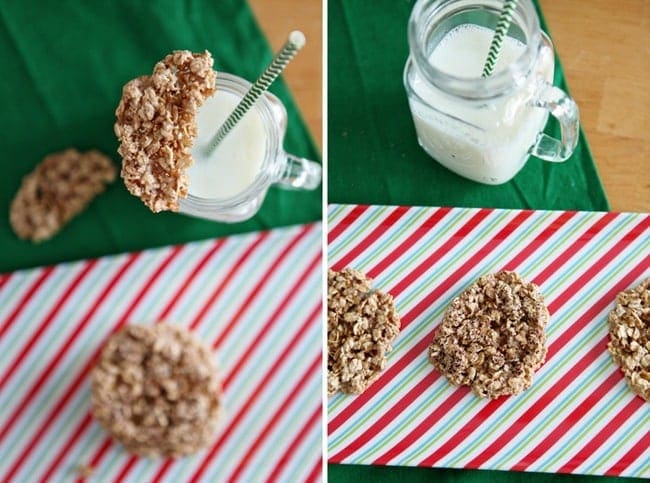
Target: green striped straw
{"type": "Point", "coordinates": [503, 25]}
{"type": "Point", "coordinates": [294, 43]}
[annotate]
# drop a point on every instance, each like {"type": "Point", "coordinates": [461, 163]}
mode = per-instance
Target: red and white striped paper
{"type": "Point", "coordinates": [579, 416]}
{"type": "Point", "coordinates": [255, 298]}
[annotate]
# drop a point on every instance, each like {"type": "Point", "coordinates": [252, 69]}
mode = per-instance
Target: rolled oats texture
{"type": "Point", "coordinates": [156, 390]}
{"type": "Point", "coordinates": [156, 127]}
{"type": "Point", "coordinates": [59, 188]}
{"type": "Point", "coordinates": [629, 337]}
{"type": "Point", "coordinates": [492, 336]}
{"type": "Point", "coordinates": [361, 325]}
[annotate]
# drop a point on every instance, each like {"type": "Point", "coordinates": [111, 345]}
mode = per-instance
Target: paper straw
{"type": "Point", "coordinates": [503, 25]}
{"type": "Point", "coordinates": [294, 43]}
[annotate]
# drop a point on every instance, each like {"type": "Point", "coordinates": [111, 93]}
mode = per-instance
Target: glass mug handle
{"type": "Point", "coordinates": [565, 110]}
{"type": "Point", "coordinates": [299, 173]}
{"type": "Point", "coordinates": [562, 108]}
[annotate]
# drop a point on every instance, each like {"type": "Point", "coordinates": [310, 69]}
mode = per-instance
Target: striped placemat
{"type": "Point", "coordinates": [579, 416]}
{"type": "Point", "coordinates": [255, 298]}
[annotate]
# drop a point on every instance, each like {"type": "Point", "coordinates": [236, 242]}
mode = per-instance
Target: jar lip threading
{"type": "Point", "coordinates": [422, 23]}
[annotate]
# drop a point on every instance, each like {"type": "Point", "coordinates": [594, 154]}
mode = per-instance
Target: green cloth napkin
{"type": "Point", "coordinates": [374, 158]}
{"type": "Point", "coordinates": [63, 67]}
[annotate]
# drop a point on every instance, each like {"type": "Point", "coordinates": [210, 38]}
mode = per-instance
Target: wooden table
{"type": "Point", "coordinates": [305, 73]}
{"type": "Point", "coordinates": [605, 49]}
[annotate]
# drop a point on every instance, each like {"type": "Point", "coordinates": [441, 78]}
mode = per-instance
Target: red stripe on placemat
{"type": "Point", "coordinates": [80, 378]}
{"type": "Point", "coordinates": [387, 222]}
{"type": "Point", "coordinates": [229, 276]}
{"type": "Point", "coordinates": [64, 450]}
{"type": "Point", "coordinates": [350, 218]}
{"type": "Point", "coordinates": [604, 434]}
{"type": "Point", "coordinates": [315, 473]}
{"type": "Point", "coordinates": [426, 226]}
{"type": "Point", "coordinates": [282, 409]}
{"type": "Point", "coordinates": [38, 384]}
{"type": "Point", "coordinates": [263, 281]}
{"type": "Point", "coordinates": [273, 319]}
{"type": "Point", "coordinates": [539, 240]}
{"type": "Point", "coordinates": [22, 303]}
{"type": "Point", "coordinates": [4, 279]}
{"type": "Point", "coordinates": [246, 354]}
{"type": "Point", "coordinates": [432, 418]}
{"type": "Point", "coordinates": [488, 410]}
{"type": "Point", "coordinates": [190, 277]}
{"type": "Point", "coordinates": [315, 365]}
{"type": "Point", "coordinates": [412, 395]}
{"type": "Point", "coordinates": [51, 366]}
{"type": "Point", "coordinates": [441, 288]}
{"type": "Point", "coordinates": [386, 418]}
{"type": "Point", "coordinates": [571, 419]}
{"type": "Point", "coordinates": [295, 444]}
{"type": "Point", "coordinates": [633, 454]}
{"type": "Point", "coordinates": [584, 238]}
{"type": "Point", "coordinates": [454, 240]}
{"type": "Point", "coordinates": [56, 307]}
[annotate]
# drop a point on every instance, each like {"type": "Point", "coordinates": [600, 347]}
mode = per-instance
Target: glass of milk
{"type": "Point", "coordinates": [229, 184]}
{"type": "Point", "coordinates": [484, 128]}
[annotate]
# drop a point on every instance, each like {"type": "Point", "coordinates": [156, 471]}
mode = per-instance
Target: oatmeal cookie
{"type": "Point", "coordinates": [629, 337]}
{"type": "Point", "coordinates": [57, 190]}
{"type": "Point", "coordinates": [492, 336]}
{"type": "Point", "coordinates": [155, 389]}
{"type": "Point", "coordinates": [156, 126]}
{"type": "Point", "coordinates": [361, 325]}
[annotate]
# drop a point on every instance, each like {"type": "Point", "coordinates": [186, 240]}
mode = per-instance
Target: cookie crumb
{"type": "Point", "coordinates": [361, 325]}
{"type": "Point", "coordinates": [492, 336]}
{"type": "Point", "coordinates": [156, 127]}
{"type": "Point", "coordinates": [58, 189]}
{"type": "Point", "coordinates": [629, 337]}
{"type": "Point", "coordinates": [85, 471]}
{"type": "Point", "coordinates": [155, 389]}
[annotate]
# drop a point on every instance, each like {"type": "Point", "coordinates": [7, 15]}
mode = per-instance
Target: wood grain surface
{"type": "Point", "coordinates": [305, 73]}
{"type": "Point", "coordinates": [605, 50]}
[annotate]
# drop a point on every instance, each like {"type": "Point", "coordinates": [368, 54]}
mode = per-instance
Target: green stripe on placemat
{"type": "Point", "coordinates": [64, 65]}
{"type": "Point", "coordinates": [374, 156]}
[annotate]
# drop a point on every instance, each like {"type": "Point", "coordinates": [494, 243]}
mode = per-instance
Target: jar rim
{"type": "Point", "coordinates": [474, 88]}
{"type": "Point", "coordinates": [239, 86]}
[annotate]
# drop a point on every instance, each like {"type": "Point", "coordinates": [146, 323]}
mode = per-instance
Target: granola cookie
{"type": "Point", "coordinates": [492, 336]}
{"type": "Point", "coordinates": [361, 325]}
{"type": "Point", "coordinates": [58, 189]}
{"type": "Point", "coordinates": [156, 126]}
{"type": "Point", "coordinates": [155, 389]}
{"type": "Point", "coordinates": [629, 337]}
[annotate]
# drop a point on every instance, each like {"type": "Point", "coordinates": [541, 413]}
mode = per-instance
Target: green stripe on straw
{"type": "Point", "coordinates": [294, 43]}
{"type": "Point", "coordinates": [503, 25]}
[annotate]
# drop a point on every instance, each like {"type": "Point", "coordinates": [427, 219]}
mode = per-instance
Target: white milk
{"type": "Point", "coordinates": [233, 165]}
{"type": "Point", "coordinates": [485, 140]}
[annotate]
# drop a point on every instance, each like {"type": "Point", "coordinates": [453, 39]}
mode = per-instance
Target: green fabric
{"type": "Point", "coordinates": [395, 474]}
{"type": "Point", "coordinates": [64, 63]}
{"type": "Point", "coordinates": [374, 158]}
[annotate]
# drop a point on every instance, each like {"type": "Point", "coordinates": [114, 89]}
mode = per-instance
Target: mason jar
{"type": "Point", "coordinates": [484, 128]}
